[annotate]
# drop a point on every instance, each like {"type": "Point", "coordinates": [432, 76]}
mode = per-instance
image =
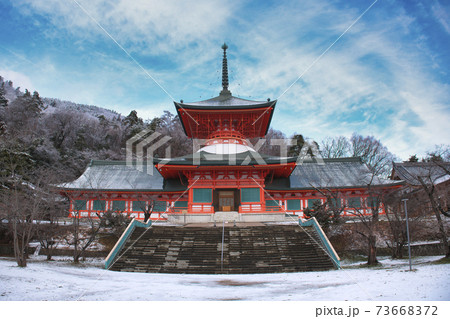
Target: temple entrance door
{"type": "Point", "coordinates": [225, 200]}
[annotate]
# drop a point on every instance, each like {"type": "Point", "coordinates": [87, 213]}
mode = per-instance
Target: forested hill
{"type": "Point", "coordinates": [47, 133]}
{"type": "Point", "coordinates": [52, 104]}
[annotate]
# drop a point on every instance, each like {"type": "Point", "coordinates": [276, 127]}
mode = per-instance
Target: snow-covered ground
{"type": "Point", "coordinates": [62, 280]}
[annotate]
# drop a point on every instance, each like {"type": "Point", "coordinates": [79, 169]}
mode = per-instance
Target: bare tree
{"type": "Point", "coordinates": [436, 202]}
{"type": "Point", "coordinates": [335, 147]}
{"type": "Point", "coordinates": [180, 144]}
{"type": "Point", "coordinates": [84, 229]}
{"type": "Point", "coordinates": [396, 218]}
{"type": "Point", "coordinates": [373, 153]}
{"type": "Point", "coordinates": [369, 149]}
{"type": "Point", "coordinates": [82, 233]}
{"type": "Point", "coordinates": [146, 206]}
{"type": "Point", "coordinates": [20, 214]}
{"type": "Point", "coordinates": [49, 231]}
{"type": "Point", "coordinates": [440, 153]}
{"type": "Point", "coordinates": [367, 213]}
{"type": "Point", "coordinates": [24, 203]}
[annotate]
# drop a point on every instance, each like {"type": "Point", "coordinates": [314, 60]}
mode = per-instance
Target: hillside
{"type": "Point", "coordinates": [52, 105]}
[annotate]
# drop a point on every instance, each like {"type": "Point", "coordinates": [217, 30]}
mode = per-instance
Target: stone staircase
{"type": "Point", "coordinates": [198, 250]}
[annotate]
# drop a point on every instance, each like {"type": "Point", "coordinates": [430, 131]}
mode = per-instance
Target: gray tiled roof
{"type": "Point", "coordinates": [429, 171]}
{"type": "Point", "coordinates": [333, 173]}
{"type": "Point", "coordinates": [115, 175]}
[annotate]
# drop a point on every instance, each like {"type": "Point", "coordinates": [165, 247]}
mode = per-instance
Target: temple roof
{"type": "Point", "coordinates": [250, 118]}
{"type": "Point", "coordinates": [334, 173]}
{"type": "Point", "coordinates": [118, 176]}
{"type": "Point", "coordinates": [428, 171]}
{"type": "Point", "coordinates": [225, 102]}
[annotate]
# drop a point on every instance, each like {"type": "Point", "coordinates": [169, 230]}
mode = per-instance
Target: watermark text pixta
{"type": "Point", "coordinates": [349, 312]}
{"type": "Point", "coordinates": [141, 148]}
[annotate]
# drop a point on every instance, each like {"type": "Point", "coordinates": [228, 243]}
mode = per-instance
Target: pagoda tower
{"type": "Point", "coordinates": [226, 174]}
{"type": "Point", "coordinates": [226, 121]}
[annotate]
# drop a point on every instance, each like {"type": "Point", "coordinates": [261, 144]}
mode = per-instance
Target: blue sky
{"type": "Point", "coordinates": [387, 76]}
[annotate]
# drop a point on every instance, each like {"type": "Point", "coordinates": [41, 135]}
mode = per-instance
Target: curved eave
{"type": "Point", "coordinates": [224, 163]}
{"type": "Point", "coordinates": [230, 108]}
{"type": "Point", "coordinates": [353, 187]}
{"type": "Point", "coordinates": [108, 190]}
{"type": "Point", "coordinates": [225, 106]}
{"type": "Point", "coordinates": [187, 161]}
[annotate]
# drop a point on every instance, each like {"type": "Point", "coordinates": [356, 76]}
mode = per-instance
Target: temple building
{"type": "Point", "coordinates": [226, 176]}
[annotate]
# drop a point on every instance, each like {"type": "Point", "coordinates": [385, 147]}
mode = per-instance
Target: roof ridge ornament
{"type": "Point", "coordinates": [225, 91]}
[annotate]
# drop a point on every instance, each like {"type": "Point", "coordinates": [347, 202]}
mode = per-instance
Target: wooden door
{"type": "Point", "coordinates": [226, 200]}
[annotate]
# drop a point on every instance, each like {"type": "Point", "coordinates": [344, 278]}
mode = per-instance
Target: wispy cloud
{"type": "Point", "coordinates": [384, 77]}
{"type": "Point", "coordinates": [442, 15]}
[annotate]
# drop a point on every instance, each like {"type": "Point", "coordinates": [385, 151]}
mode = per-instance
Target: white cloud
{"type": "Point", "coordinates": [152, 27]}
{"type": "Point", "coordinates": [19, 79]}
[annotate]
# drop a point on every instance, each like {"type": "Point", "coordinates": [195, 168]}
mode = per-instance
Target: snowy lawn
{"type": "Point", "coordinates": [62, 280]}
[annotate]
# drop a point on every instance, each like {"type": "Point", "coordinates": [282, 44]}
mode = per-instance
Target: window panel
{"type": "Point", "coordinates": [250, 195]}
{"type": "Point", "coordinates": [79, 204]}
{"type": "Point", "coordinates": [313, 202]}
{"type": "Point", "coordinates": [118, 205]}
{"type": "Point", "coordinates": [293, 204]}
{"type": "Point", "coordinates": [181, 204]}
{"type": "Point", "coordinates": [272, 203]}
{"type": "Point", "coordinates": [373, 202]}
{"type": "Point", "coordinates": [139, 206]}
{"type": "Point", "coordinates": [354, 202]}
{"type": "Point", "coordinates": [335, 202]}
{"type": "Point", "coordinates": [160, 206]}
{"type": "Point", "coordinates": [99, 205]}
{"type": "Point", "coordinates": [202, 195]}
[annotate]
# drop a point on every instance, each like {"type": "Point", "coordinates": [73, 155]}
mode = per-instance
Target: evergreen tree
{"type": "Point", "coordinates": [294, 150]}
{"type": "Point", "coordinates": [133, 119]}
{"type": "Point", "coordinates": [3, 100]}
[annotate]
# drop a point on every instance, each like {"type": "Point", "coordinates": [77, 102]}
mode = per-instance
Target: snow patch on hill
{"type": "Point", "coordinates": [53, 104]}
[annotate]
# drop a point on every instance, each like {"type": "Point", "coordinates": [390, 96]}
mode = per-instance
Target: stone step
{"type": "Point", "coordinates": [245, 250]}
